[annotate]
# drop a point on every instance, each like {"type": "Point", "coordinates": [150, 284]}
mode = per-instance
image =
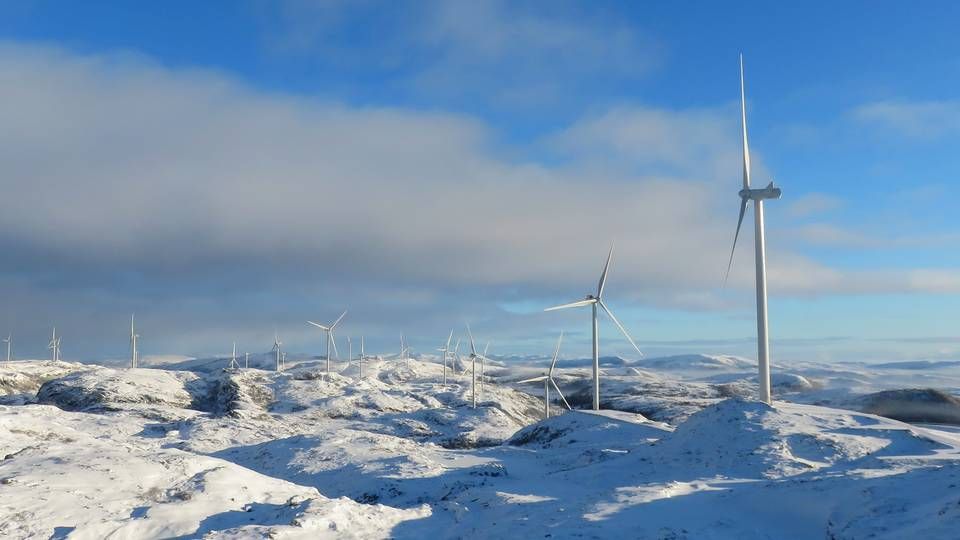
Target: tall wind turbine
{"type": "Point", "coordinates": [134, 353]}
{"type": "Point", "coordinates": [473, 357]}
{"type": "Point", "coordinates": [329, 331]}
{"type": "Point", "coordinates": [482, 358]}
{"type": "Point", "coordinates": [548, 380]}
{"type": "Point", "coordinates": [361, 357]}
{"type": "Point", "coordinates": [757, 196]}
{"type": "Point", "coordinates": [445, 350]}
{"type": "Point", "coordinates": [404, 348]}
{"type": "Point", "coordinates": [233, 358]}
{"type": "Point", "coordinates": [9, 341]}
{"type": "Point", "coordinates": [54, 345]}
{"type": "Point", "coordinates": [593, 302]}
{"type": "Point", "coordinates": [276, 349]}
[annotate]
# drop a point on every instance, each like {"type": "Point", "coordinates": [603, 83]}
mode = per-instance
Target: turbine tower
{"type": "Point", "coordinates": [593, 302]}
{"type": "Point", "coordinates": [54, 345]}
{"type": "Point", "coordinates": [134, 353]}
{"type": "Point", "coordinates": [329, 331]}
{"type": "Point", "coordinates": [361, 357]}
{"type": "Point", "coordinates": [473, 357]}
{"type": "Point", "coordinates": [757, 196]}
{"type": "Point", "coordinates": [445, 350]}
{"type": "Point", "coordinates": [9, 341]}
{"type": "Point", "coordinates": [548, 380]}
{"type": "Point", "coordinates": [276, 350]}
{"type": "Point", "coordinates": [233, 358]}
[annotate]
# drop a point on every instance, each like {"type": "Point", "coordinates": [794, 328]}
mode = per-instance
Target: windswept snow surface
{"type": "Point", "coordinates": [196, 451]}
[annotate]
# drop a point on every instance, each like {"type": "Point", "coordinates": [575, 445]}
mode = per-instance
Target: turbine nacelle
{"type": "Point", "coordinates": [769, 192]}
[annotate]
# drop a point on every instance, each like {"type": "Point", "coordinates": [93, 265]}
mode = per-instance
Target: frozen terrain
{"type": "Point", "coordinates": [188, 449]}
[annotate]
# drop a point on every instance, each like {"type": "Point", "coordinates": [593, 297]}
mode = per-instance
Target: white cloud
{"type": "Point", "coordinates": [128, 183]}
{"type": "Point", "coordinates": [919, 119]}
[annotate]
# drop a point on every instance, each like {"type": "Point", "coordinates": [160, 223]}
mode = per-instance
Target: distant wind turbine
{"type": "Point", "coordinates": [361, 357]}
{"type": "Point", "coordinates": [134, 353]}
{"type": "Point", "coordinates": [593, 302]}
{"type": "Point", "coordinates": [233, 358]}
{"type": "Point", "coordinates": [482, 358]}
{"type": "Point", "coordinates": [473, 357]}
{"type": "Point", "coordinates": [276, 349]}
{"type": "Point", "coordinates": [9, 341]}
{"type": "Point", "coordinates": [246, 360]}
{"type": "Point", "coordinates": [54, 345]}
{"type": "Point", "coordinates": [548, 380]}
{"type": "Point", "coordinates": [404, 348]}
{"type": "Point", "coordinates": [445, 350]}
{"type": "Point", "coordinates": [757, 196]}
{"type": "Point", "coordinates": [330, 340]}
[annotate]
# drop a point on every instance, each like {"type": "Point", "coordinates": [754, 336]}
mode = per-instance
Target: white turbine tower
{"type": "Point", "coordinates": [233, 358]}
{"type": "Point", "coordinates": [473, 357]}
{"type": "Point", "coordinates": [445, 350]}
{"type": "Point", "coordinates": [54, 345]}
{"type": "Point", "coordinates": [548, 380]}
{"type": "Point", "coordinates": [330, 340]}
{"type": "Point", "coordinates": [276, 350]}
{"type": "Point", "coordinates": [404, 348]}
{"type": "Point", "coordinates": [9, 341]}
{"type": "Point", "coordinates": [757, 196]}
{"type": "Point", "coordinates": [361, 357]}
{"type": "Point", "coordinates": [349, 351]}
{"type": "Point", "coordinates": [134, 353]}
{"type": "Point", "coordinates": [482, 358]}
{"type": "Point", "coordinates": [593, 302]}
{"type": "Point", "coordinates": [246, 360]}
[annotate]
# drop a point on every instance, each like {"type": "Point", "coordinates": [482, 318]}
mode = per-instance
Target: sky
{"type": "Point", "coordinates": [228, 170]}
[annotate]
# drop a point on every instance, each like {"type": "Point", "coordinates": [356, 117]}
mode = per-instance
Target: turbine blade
{"type": "Point", "coordinates": [473, 348]}
{"type": "Point", "coordinates": [603, 276]}
{"type": "Point", "coordinates": [318, 325]}
{"type": "Point", "coordinates": [340, 318]}
{"type": "Point", "coordinates": [535, 379]}
{"type": "Point", "coordinates": [620, 326]}
{"type": "Point", "coordinates": [485, 349]}
{"type": "Point", "coordinates": [333, 341]}
{"type": "Point", "coordinates": [743, 124]}
{"type": "Point", "coordinates": [448, 340]}
{"type": "Point", "coordinates": [743, 210]}
{"type": "Point", "coordinates": [578, 303]}
{"type": "Point", "coordinates": [556, 354]}
{"type": "Point", "coordinates": [557, 388]}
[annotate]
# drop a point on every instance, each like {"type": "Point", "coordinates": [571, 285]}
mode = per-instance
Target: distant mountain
{"type": "Point", "coordinates": [696, 361]}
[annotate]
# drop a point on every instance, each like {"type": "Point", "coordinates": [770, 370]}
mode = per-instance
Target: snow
{"type": "Point", "coordinates": [192, 450]}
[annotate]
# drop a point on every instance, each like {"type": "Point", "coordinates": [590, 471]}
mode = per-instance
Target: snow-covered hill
{"type": "Point", "coordinates": [94, 452]}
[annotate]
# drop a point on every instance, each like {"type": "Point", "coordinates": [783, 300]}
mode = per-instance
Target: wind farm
{"type": "Point", "coordinates": [205, 199]}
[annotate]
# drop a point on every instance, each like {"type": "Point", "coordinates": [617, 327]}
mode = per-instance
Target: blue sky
{"type": "Point", "coordinates": [473, 160]}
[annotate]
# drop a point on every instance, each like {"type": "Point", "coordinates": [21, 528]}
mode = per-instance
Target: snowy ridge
{"type": "Point", "coordinates": [217, 453]}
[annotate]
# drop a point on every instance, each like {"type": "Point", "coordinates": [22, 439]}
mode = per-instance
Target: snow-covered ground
{"type": "Point", "coordinates": [189, 450]}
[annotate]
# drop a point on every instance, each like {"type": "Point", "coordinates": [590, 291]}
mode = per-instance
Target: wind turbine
{"type": "Point", "coordinates": [548, 379]}
{"type": "Point", "coordinates": [593, 302]}
{"type": "Point", "coordinates": [246, 360]}
{"type": "Point", "coordinates": [329, 330]}
{"type": "Point", "coordinates": [9, 341]}
{"type": "Point", "coordinates": [349, 351]}
{"type": "Point", "coordinates": [482, 358]}
{"type": "Point", "coordinates": [404, 348]}
{"type": "Point", "coordinates": [134, 353]}
{"type": "Point", "coordinates": [446, 352]}
{"type": "Point", "coordinates": [757, 196]}
{"type": "Point", "coordinates": [233, 358]}
{"type": "Point", "coordinates": [361, 357]}
{"type": "Point", "coordinates": [276, 349]}
{"type": "Point", "coordinates": [473, 357]}
{"type": "Point", "coordinates": [54, 345]}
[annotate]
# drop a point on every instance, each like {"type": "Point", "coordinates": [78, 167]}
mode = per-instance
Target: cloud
{"type": "Point", "coordinates": [523, 55]}
{"type": "Point", "coordinates": [812, 204]}
{"type": "Point", "coordinates": [214, 209]}
{"type": "Point", "coordinates": [929, 119]}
